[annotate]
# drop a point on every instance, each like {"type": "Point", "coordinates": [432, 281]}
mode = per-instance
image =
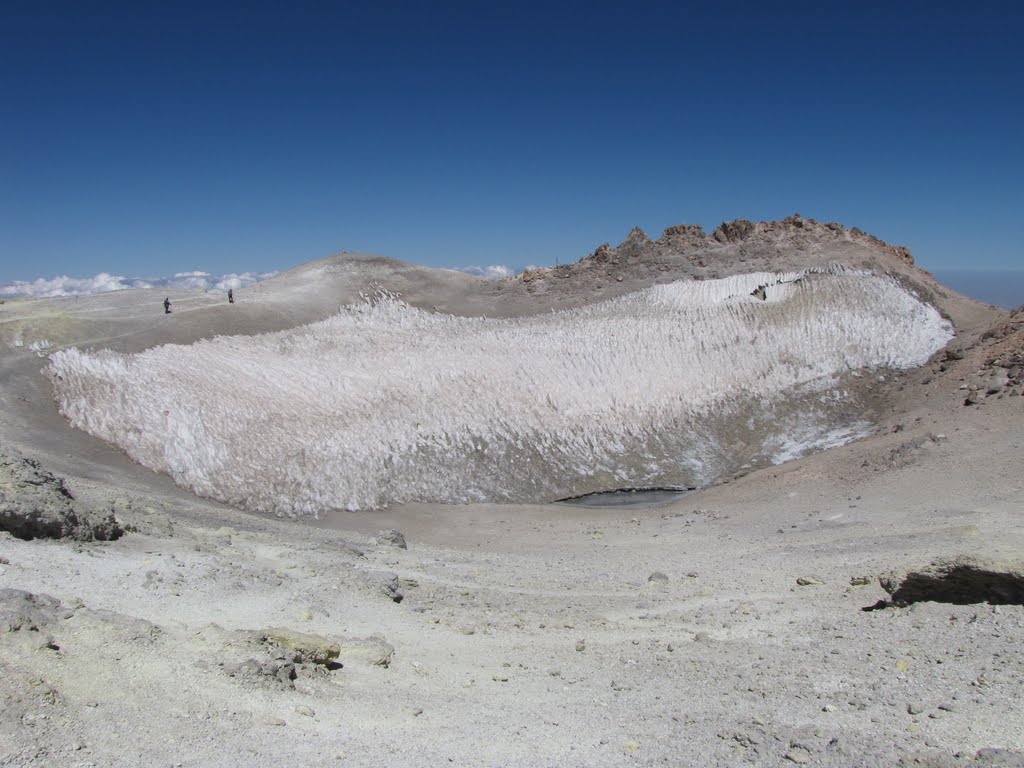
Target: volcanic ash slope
{"type": "Point", "coordinates": [384, 402]}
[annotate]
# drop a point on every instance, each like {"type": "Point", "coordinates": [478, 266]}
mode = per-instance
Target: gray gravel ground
{"type": "Point", "coordinates": [726, 628]}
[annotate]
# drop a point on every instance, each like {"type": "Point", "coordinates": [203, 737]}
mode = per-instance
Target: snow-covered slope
{"type": "Point", "coordinates": [384, 402]}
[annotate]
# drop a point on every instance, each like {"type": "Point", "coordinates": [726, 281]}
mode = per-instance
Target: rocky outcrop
{"type": "Point", "coordinates": [28, 612]}
{"type": "Point", "coordinates": [735, 247]}
{"type": "Point", "coordinates": [984, 366]}
{"type": "Point", "coordinates": [305, 648]}
{"type": "Point", "coordinates": [734, 231]}
{"type": "Point", "coordinates": [635, 244]}
{"type": "Point", "coordinates": [1003, 362]}
{"type": "Point", "coordinates": [962, 580]}
{"type": "Point", "coordinates": [36, 505]}
{"type": "Point", "coordinates": [684, 236]}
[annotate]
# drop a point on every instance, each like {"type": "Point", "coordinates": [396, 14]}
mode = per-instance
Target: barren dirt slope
{"type": "Point", "coordinates": [726, 628]}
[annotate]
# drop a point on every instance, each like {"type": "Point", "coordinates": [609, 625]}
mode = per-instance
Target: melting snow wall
{"type": "Point", "coordinates": [384, 402]}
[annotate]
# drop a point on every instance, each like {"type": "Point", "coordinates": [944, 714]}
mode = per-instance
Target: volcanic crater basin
{"type": "Point", "coordinates": [672, 386]}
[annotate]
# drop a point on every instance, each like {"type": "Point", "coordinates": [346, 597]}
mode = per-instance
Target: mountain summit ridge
{"type": "Point", "coordinates": [795, 228]}
{"type": "Point", "coordinates": [740, 246]}
{"type": "Point", "coordinates": [794, 231]}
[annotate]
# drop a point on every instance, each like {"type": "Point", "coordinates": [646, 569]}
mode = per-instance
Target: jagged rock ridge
{"type": "Point", "coordinates": [685, 251]}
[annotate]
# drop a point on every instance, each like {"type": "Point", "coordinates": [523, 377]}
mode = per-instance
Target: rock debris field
{"type": "Point", "coordinates": [403, 593]}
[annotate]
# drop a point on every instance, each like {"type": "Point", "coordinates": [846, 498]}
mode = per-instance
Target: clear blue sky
{"type": "Point", "coordinates": [145, 138]}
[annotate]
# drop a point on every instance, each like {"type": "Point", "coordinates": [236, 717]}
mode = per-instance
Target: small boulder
{"type": "Point", "coordinates": [393, 537]}
{"type": "Point", "coordinates": [387, 583]}
{"type": "Point", "coordinates": [307, 648]}
{"type": "Point", "coordinates": [374, 651]}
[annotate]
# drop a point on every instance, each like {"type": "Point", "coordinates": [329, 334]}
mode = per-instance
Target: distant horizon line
{"type": "Point", "coordinates": [61, 286]}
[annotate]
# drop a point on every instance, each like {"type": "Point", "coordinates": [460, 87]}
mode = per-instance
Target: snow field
{"type": "Point", "coordinates": [384, 402]}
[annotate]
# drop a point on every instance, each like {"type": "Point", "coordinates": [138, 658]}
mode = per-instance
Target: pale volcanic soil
{"type": "Point", "coordinates": [723, 628]}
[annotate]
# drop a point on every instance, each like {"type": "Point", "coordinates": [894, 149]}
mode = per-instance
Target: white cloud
{"type": "Point", "coordinates": [490, 272]}
{"type": "Point", "coordinates": [64, 285]}
{"type": "Point", "coordinates": [70, 286]}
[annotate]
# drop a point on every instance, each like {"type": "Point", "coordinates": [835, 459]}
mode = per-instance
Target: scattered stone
{"type": "Point", "coordinates": [393, 537]}
{"type": "Point", "coordinates": [798, 754]}
{"type": "Point", "coordinates": [809, 581]}
{"type": "Point", "coordinates": [860, 581]}
{"type": "Point", "coordinates": [747, 738]}
{"type": "Point", "coordinates": [910, 451]}
{"type": "Point", "coordinates": [581, 645]}
{"type": "Point", "coordinates": [701, 637]}
{"type": "Point", "coordinates": [998, 756]}
{"type": "Point", "coordinates": [304, 710]}
{"type": "Point", "coordinates": [657, 576]}
{"type": "Point", "coordinates": [915, 708]}
{"type": "Point", "coordinates": [279, 671]}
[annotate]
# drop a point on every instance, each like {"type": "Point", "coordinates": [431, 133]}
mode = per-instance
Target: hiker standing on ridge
{"type": "Point", "coordinates": [167, 306]}
{"type": "Point", "coordinates": [231, 296]}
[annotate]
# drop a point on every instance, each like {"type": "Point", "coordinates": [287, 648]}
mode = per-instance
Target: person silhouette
{"type": "Point", "coordinates": [167, 306]}
{"type": "Point", "coordinates": [231, 296]}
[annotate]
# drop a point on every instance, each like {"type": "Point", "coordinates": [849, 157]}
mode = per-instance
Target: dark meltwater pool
{"type": "Point", "coordinates": [629, 498]}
